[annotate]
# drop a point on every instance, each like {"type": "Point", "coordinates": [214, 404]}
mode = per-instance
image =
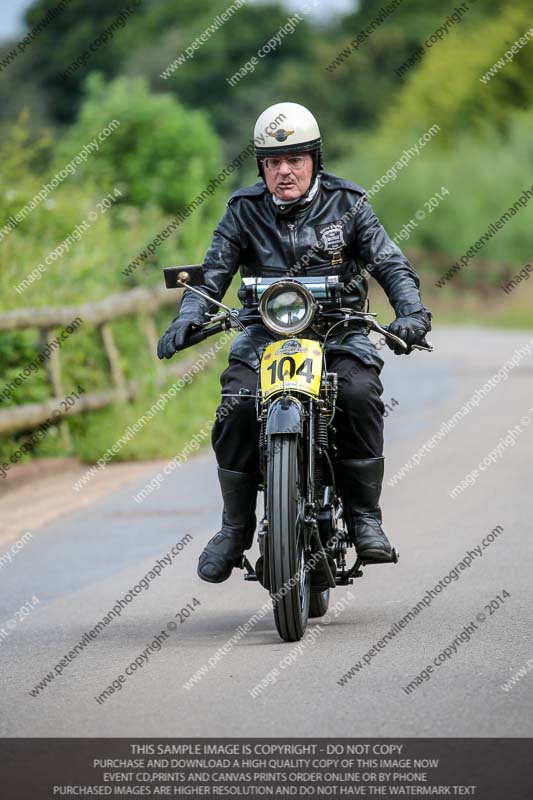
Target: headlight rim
{"type": "Point", "coordinates": [288, 284]}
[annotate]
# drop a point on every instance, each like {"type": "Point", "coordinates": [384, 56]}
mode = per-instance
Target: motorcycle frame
{"type": "Point", "coordinates": [180, 277]}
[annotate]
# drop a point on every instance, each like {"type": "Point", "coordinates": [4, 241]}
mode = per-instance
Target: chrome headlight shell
{"type": "Point", "coordinates": [287, 306]}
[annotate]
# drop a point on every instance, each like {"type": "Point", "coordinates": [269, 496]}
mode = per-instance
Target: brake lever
{"type": "Point", "coordinates": [369, 317]}
{"type": "Point", "coordinates": [219, 317]}
{"type": "Point", "coordinates": [233, 318]}
{"type": "Point", "coordinates": [423, 345]}
{"type": "Point", "coordinates": [377, 327]}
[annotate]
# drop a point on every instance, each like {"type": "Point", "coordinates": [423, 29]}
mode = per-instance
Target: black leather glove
{"type": "Point", "coordinates": [174, 337]}
{"type": "Point", "coordinates": [411, 329]}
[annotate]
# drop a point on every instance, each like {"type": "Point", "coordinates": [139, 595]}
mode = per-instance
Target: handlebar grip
{"type": "Point", "coordinates": [194, 338]}
{"type": "Point", "coordinates": [199, 335]}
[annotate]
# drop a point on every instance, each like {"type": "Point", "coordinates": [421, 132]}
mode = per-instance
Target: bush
{"type": "Point", "coordinates": [161, 153]}
{"type": "Point", "coordinates": [134, 160]}
{"type": "Point", "coordinates": [485, 175]}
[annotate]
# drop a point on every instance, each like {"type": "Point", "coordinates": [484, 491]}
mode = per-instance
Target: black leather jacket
{"type": "Point", "coordinates": [337, 232]}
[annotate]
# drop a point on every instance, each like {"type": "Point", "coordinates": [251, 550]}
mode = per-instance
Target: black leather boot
{"type": "Point", "coordinates": [224, 551]}
{"type": "Point", "coordinates": [359, 482]}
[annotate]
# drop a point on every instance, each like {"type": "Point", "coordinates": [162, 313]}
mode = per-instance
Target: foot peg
{"type": "Point", "coordinates": [250, 572]}
{"type": "Point", "coordinates": [346, 578]}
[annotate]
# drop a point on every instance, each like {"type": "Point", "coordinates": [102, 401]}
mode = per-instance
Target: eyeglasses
{"type": "Point", "coordinates": [294, 162]}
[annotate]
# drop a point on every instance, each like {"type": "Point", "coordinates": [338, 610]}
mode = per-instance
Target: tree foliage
{"type": "Point", "coordinates": [447, 89]}
{"type": "Point", "coordinates": [161, 153]}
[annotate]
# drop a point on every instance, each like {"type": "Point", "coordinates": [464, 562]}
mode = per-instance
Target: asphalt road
{"type": "Point", "coordinates": [79, 565]}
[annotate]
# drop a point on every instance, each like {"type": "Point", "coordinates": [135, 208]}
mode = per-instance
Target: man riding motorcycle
{"type": "Point", "coordinates": [300, 220]}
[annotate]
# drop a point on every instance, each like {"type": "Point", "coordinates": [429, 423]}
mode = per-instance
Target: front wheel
{"type": "Point", "coordinates": [289, 580]}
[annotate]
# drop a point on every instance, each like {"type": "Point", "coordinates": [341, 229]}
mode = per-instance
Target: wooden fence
{"type": "Point", "coordinates": [143, 303]}
{"type": "Point", "coordinates": [140, 302]}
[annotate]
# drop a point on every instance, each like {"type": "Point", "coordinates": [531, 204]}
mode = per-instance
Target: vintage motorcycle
{"type": "Point", "coordinates": [303, 542]}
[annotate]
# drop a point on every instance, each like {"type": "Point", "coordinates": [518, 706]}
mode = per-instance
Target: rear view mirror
{"type": "Point", "coordinates": [192, 275]}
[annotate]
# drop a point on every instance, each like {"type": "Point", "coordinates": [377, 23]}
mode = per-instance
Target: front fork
{"type": "Point", "coordinates": [321, 515]}
{"type": "Point", "coordinates": [320, 523]}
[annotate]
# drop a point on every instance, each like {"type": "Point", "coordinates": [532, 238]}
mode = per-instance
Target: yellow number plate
{"type": "Point", "coordinates": [291, 364]}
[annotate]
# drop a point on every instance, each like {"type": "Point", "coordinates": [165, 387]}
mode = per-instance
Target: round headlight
{"type": "Point", "coordinates": [287, 307]}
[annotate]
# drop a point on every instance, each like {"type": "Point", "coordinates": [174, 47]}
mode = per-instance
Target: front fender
{"type": "Point", "coordinates": [285, 415]}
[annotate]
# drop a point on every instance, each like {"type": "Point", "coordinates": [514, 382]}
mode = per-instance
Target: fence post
{"type": "Point", "coordinates": [113, 358]}
{"type": "Point", "coordinates": [151, 338]}
{"type": "Point", "coordinates": [53, 371]}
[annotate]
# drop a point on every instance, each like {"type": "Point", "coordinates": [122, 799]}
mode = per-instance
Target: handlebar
{"type": "Point", "coordinates": [347, 315]}
{"type": "Point", "coordinates": [200, 334]}
{"type": "Point", "coordinates": [219, 323]}
{"type": "Point", "coordinates": [241, 317]}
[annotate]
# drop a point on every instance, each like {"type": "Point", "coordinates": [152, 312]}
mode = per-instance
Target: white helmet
{"type": "Point", "coordinates": [287, 128]}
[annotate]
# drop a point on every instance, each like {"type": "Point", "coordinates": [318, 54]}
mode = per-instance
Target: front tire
{"type": "Point", "coordinates": [289, 582]}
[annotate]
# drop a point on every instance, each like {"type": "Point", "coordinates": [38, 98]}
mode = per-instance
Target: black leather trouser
{"type": "Point", "coordinates": [358, 419]}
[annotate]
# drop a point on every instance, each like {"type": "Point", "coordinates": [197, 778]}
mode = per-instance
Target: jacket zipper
{"type": "Point", "coordinates": [292, 239]}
